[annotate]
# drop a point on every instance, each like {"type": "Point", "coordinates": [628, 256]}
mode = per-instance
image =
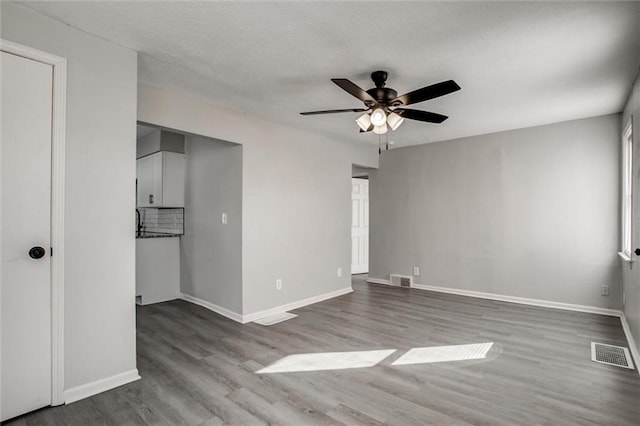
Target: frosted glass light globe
{"type": "Point", "coordinates": [380, 130]}
{"type": "Point", "coordinates": [378, 117]}
{"type": "Point", "coordinates": [364, 122]}
{"type": "Point", "coordinates": [394, 120]}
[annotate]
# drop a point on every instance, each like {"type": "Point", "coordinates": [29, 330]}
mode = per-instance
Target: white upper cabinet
{"type": "Point", "coordinates": [161, 180]}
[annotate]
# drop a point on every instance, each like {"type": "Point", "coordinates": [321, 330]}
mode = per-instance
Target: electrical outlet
{"type": "Point", "coordinates": [225, 217]}
{"type": "Point", "coordinates": [416, 271]}
{"type": "Point", "coordinates": [339, 272]}
{"type": "Point", "coordinates": [278, 284]}
{"type": "Point", "coordinates": [605, 290]}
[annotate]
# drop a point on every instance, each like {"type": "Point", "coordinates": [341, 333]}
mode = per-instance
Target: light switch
{"type": "Point", "coordinates": [224, 218]}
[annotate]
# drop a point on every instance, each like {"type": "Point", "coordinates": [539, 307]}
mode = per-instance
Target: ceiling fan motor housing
{"type": "Point", "coordinates": [383, 95]}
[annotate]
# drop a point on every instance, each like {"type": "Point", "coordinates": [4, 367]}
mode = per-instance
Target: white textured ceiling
{"type": "Point", "coordinates": [519, 64]}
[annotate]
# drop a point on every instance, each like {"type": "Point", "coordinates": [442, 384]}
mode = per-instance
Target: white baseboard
{"type": "Point", "coordinates": [379, 281]}
{"type": "Point", "coordinates": [512, 299]}
{"type": "Point", "coordinates": [213, 307]}
{"type": "Point", "coordinates": [296, 305]}
{"type": "Point", "coordinates": [99, 386]}
{"type": "Point", "coordinates": [632, 344]}
{"type": "Point", "coordinates": [243, 319]}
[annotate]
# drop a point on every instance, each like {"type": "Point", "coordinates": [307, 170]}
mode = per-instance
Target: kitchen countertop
{"type": "Point", "coordinates": [146, 234]}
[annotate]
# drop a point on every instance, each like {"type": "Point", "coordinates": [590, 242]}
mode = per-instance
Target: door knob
{"type": "Point", "coordinates": [37, 252]}
{"type": "Point", "coordinates": [637, 251]}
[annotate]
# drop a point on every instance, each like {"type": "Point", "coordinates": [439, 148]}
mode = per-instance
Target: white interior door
{"type": "Point", "coordinates": [26, 93]}
{"type": "Point", "coordinates": [359, 226]}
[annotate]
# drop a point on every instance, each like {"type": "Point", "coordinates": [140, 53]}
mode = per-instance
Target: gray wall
{"type": "Point", "coordinates": [297, 221]}
{"type": "Point", "coordinates": [211, 252]}
{"type": "Point", "coordinates": [296, 197]}
{"type": "Point", "coordinates": [99, 268]}
{"type": "Point", "coordinates": [172, 142]}
{"type": "Point", "coordinates": [358, 171]}
{"type": "Point", "coordinates": [148, 144]}
{"type": "Point", "coordinates": [631, 277]}
{"type": "Point", "coordinates": [530, 213]}
{"type": "Point", "coordinates": [160, 140]}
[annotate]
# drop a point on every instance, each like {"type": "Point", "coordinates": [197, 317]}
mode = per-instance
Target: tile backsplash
{"type": "Point", "coordinates": [166, 221]}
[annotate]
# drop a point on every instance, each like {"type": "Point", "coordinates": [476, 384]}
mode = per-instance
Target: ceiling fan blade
{"type": "Point", "coordinates": [414, 114]}
{"type": "Point", "coordinates": [333, 111]}
{"type": "Point", "coordinates": [354, 90]}
{"type": "Point", "coordinates": [426, 93]}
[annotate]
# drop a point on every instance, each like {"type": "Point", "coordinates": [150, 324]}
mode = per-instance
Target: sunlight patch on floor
{"type": "Point", "coordinates": [444, 354]}
{"type": "Point", "coordinates": [326, 361]}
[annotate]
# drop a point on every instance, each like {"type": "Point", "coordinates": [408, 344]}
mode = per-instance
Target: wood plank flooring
{"type": "Point", "coordinates": [198, 368]}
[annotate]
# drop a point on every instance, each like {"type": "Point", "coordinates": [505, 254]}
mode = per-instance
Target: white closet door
{"type": "Point", "coordinates": [25, 153]}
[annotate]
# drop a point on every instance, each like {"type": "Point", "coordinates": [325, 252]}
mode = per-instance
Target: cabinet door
{"type": "Point", "coordinates": [149, 175]}
{"type": "Point", "coordinates": [173, 179]}
{"type": "Point", "coordinates": [157, 269]}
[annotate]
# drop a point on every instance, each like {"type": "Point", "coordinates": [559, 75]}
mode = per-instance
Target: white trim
{"type": "Point", "coordinates": [632, 344]}
{"type": "Point", "coordinates": [627, 191]}
{"type": "Point", "coordinates": [58, 142]}
{"type": "Point", "coordinates": [243, 319]}
{"type": "Point", "coordinates": [30, 53]}
{"type": "Point", "coordinates": [379, 281]}
{"type": "Point", "coordinates": [213, 307]}
{"type": "Point", "coordinates": [99, 386]}
{"type": "Point", "coordinates": [523, 300]}
{"type": "Point", "coordinates": [512, 299]}
{"type": "Point", "coordinates": [296, 305]}
{"type": "Point", "coordinates": [57, 226]}
{"type": "Point", "coordinates": [624, 257]}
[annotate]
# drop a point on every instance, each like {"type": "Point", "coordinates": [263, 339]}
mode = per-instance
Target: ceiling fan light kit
{"type": "Point", "coordinates": [384, 108]}
{"type": "Point", "coordinates": [381, 130]}
{"type": "Point", "coordinates": [394, 120]}
{"type": "Point", "coordinates": [364, 122]}
{"type": "Point", "coordinates": [378, 117]}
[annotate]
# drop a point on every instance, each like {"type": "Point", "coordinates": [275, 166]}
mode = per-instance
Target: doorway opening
{"type": "Point", "coordinates": [188, 219]}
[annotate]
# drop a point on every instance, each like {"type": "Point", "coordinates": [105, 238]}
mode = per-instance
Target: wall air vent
{"type": "Point", "coordinates": [401, 280]}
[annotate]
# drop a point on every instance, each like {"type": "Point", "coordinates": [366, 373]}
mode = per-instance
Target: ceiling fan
{"type": "Point", "coordinates": [384, 108]}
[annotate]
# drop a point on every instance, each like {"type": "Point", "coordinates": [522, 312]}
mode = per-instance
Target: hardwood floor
{"type": "Point", "coordinates": [198, 368]}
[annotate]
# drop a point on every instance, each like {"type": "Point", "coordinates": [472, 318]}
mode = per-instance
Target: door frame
{"type": "Point", "coordinates": [58, 142]}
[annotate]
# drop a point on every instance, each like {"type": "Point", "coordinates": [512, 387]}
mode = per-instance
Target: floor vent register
{"type": "Point", "coordinates": [611, 355]}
